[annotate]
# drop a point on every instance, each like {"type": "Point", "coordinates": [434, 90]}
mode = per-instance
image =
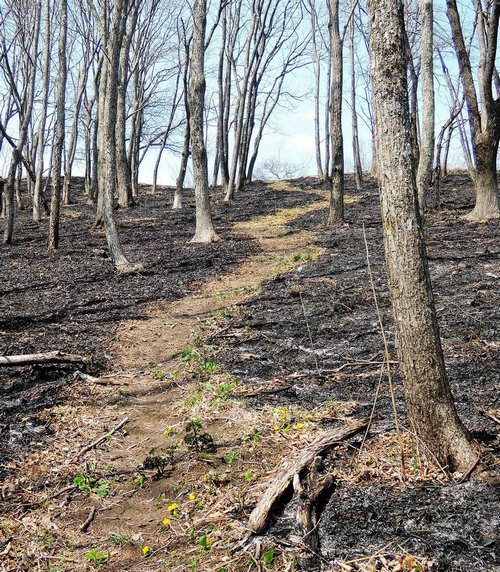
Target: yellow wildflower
{"type": "Point", "coordinates": [192, 496]}
{"type": "Point", "coordinates": [173, 507]}
{"type": "Point", "coordinates": [166, 522]}
{"type": "Point", "coordinates": [146, 550]}
{"type": "Point", "coordinates": [299, 426]}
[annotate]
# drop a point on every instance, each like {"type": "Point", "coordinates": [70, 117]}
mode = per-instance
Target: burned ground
{"type": "Point", "coordinates": [308, 339]}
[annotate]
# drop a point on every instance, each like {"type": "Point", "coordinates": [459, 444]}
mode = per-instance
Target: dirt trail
{"type": "Point", "coordinates": [146, 349]}
{"type": "Point", "coordinates": [165, 328]}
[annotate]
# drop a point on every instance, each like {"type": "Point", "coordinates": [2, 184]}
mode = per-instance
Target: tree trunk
{"type": "Point", "coordinates": [485, 181]}
{"type": "Point", "coordinates": [484, 111]}
{"type": "Point", "coordinates": [60, 131]}
{"type": "Point", "coordinates": [205, 231]}
{"type": "Point", "coordinates": [431, 410]}
{"type": "Point", "coordinates": [179, 183]}
{"type": "Point", "coordinates": [426, 156]}
{"type": "Point", "coordinates": [317, 87]}
{"type": "Point", "coordinates": [37, 192]}
{"type": "Point", "coordinates": [336, 214]}
{"type": "Point", "coordinates": [356, 155]}
{"type": "Point", "coordinates": [25, 119]}
{"type": "Point", "coordinates": [108, 152]}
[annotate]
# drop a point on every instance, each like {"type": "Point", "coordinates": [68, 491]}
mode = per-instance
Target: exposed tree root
{"type": "Point", "coordinates": [260, 515]}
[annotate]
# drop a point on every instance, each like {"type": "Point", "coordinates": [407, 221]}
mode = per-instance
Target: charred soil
{"type": "Point", "coordinates": [224, 360]}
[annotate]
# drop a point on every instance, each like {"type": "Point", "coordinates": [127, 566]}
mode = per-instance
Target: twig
{"type": "Point", "coordinates": [61, 492]}
{"type": "Point", "coordinates": [97, 442]}
{"type": "Point", "coordinates": [89, 520]}
{"type": "Point", "coordinates": [372, 413]}
{"type": "Point", "coordinates": [492, 417]}
{"type": "Point", "coordinates": [309, 332]}
{"type": "Point", "coordinates": [386, 356]}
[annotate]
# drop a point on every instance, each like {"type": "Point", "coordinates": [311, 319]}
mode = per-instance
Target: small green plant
{"type": "Point", "coordinates": [195, 398]}
{"type": "Point", "coordinates": [118, 539]}
{"type": "Point", "coordinates": [203, 542]}
{"type": "Point", "coordinates": [253, 437]}
{"type": "Point", "coordinates": [209, 366]}
{"type": "Point", "coordinates": [88, 484]}
{"type": "Point", "coordinates": [158, 374]}
{"type": "Point", "coordinates": [248, 476]}
{"type": "Point", "coordinates": [187, 354]}
{"type": "Point", "coordinates": [231, 458]}
{"type": "Point", "coordinates": [160, 458]}
{"type": "Point", "coordinates": [140, 480]}
{"type": "Point", "coordinates": [96, 557]}
{"type": "Point", "coordinates": [224, 389]}
{"type": "Point", "coordinates": [195, 439]}
{"type": "Point", "coordinates": [268, 556]}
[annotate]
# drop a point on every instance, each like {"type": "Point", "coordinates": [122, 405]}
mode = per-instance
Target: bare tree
{"type": "Point", "coordinates": [40, 145]}
{"type": "Point", "coordinates": [112, 28]}
{"type": "Point", "coordinates": [431, 410]}
{"type": "Point", "coordinates": [336, 214]}
{"type": "Point", "coordinates": [60, 129]}
{"type": "Point", "coordinates": [24, 98]}
{"type": "Point", "coordinates": [426, 156]}
{"type": "Point", "coordinates": [205, 231]}
{"type": "Point", "coordinates": [483, 106]}
{"type": "Point", "coordinates": [356, 154]}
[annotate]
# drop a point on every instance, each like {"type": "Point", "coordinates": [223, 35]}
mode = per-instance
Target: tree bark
{"type": "Point", "coordinates": [426, 156]}
{"type": "Point", "coordinates": [205, 231]}
{"type": "Point", "coordinates": [25, 111]}
{"type": "Point", "coordinates": [356, 155]}
{"type": "Point", "coordinates": [431, 410]}
{"type": "Point", "coordinates": [55, 202]}
{"type": "Point", "coordinates": [336, 214]}
{"type": "Point", "coordinates": [484, 111]}
{"type": "Point", "coordinates": [37, 192]}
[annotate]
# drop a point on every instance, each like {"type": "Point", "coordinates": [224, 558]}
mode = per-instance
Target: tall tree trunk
{"type": "Point", "coordinates": [426, 156]}
{"type": "Point", "coordinates": [205, 231]}
{"type": "Point", "coordinates": [123, 179]}
{"type": "Point", "coordinates": [25, 119]}
{"type": "Point", "coordinates": [317, 87]}
{"type": "Point", "coordinates": [336, 214]}
{"type": "Point", "coordinates": [60, 130]}
{"type": "Point", "coordinates": [73, 138]}
{"type": "Point", "coordinates": [431, 410]}
{"type": "Point", "coordinates": [179, 183]}
{"type": "Point", "coordinates": [108, 140]}
{"type": "Point", "coordinates": [37, 192]}
{"type": "Point", "coordinates": [484, 111]}
{"type": "Point", "coordinates": [356, 155]}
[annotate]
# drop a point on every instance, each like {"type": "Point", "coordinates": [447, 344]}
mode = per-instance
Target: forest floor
{"type": "Point", "coordinates": [223, 362]}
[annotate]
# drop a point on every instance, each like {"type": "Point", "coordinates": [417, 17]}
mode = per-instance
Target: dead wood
{"type": "Point", "coordinates": [311, 490]}
{"type": "Point", "coordinates": [97, 442]}
{"type": "Point", "coordinates": [85, 526]}
{"type": "Point", "coordinates": [41, 358]}
{"type": "Point", "coordinates": [260, 515]}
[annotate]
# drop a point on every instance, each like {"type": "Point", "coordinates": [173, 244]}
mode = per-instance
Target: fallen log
{"type": "Point", "coordinates": [42, 358]}
{"type": "Point", "coordinates": [260, 515]}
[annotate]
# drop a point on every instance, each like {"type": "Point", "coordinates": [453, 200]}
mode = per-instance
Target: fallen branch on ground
{"type": "Point", "coordinates": [88, 521]}
{"type": "Point", "coordinates": [42, 358]}
{"type": "Point", "coordinates": [97, 442]}
{"type": "Point", "coordinates": [260, 515]}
